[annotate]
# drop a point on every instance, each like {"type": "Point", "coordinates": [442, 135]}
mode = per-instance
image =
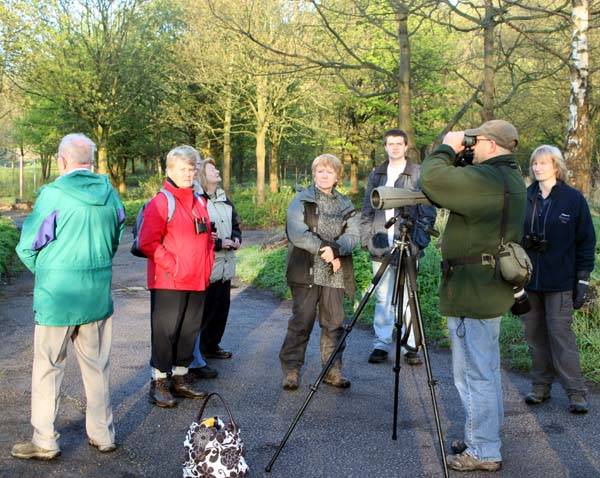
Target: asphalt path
{"type": "Point", "coordinates": [342, 433]}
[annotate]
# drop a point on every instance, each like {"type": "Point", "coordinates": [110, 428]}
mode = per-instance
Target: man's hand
{"type": "Point", "coordinates": [454, 139]}
{"type": "Point", "coordinates": [336, 264]}
{"type": "Point", "coordinates": [228, 244]}
{"type": "Point", "coordinates": [580, 295]}
{"type": "Point", "coordinates": [327, 254]}
{"type": "Point", "coordinates": [236, 243]}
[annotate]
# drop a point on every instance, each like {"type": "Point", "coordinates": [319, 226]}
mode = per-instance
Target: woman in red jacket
{"type": "Point", "coordinates": [180, 258]}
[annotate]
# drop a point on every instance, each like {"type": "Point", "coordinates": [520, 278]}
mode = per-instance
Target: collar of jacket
{"type": "Point", "coordinates": [183, 195]}
{"type": "Point", "coordinates": [409, 169]}
{"type": "Point", "coordinates": [502, 160]}
{"type": "Point", "coordinates": [310, 194]}
{"type": "Point", "coordinates": [534, 189]}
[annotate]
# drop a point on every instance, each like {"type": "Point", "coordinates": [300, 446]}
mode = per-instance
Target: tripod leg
{"type": "Point", "coordinates": [338, 347]}
{"type": "Point", "coordinates": [398, 303]}
{"type": "Point", "coordinates": [414, 297]}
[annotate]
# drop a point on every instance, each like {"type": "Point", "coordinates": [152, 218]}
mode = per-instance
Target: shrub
{"type": "Point", "coordinates": [9, 237]}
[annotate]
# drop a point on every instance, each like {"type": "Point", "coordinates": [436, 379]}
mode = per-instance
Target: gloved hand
{"type": "Point", "coordinates": [379, 245]}
{"type": "Point", "coordinates": [580, 294]}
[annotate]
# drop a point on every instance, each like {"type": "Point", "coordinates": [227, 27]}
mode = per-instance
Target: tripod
{"type": "Point", "coordinates": [406, 274]}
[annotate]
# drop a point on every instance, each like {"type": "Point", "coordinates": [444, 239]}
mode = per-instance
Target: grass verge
{"type": "Point", "coordinates": [265, 268]}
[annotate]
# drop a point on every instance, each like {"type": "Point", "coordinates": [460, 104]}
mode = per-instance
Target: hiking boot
{"type": "Point", "coordinates": [291, 381]}
{"type": "Point", "coordinates": [378, 356]}
{"type": "Point", "coordinates": [183, 386]}
{"type": "Point", "coordinates": [412, 358]}
{"type": "Point", "coordinates": [203, 372]}
{"type": "Point", "coordinates": [465, 462]}
{"type": "Point", "coordinates": [577, 403]}
{"type": "Point", "coordinates": [27, 450]}
{"type": "Point", "coordinates": [335, 378]}
{"type": "Point", "coordinates": [539, 393]}
{"type": "Point", "coordinates": [102, 448]}
{"type": "Point", "coordinates": [218, 353]}
{"type": "Point", "coordinates": [160, 395]}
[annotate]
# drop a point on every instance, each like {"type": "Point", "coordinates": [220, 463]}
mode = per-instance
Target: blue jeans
{"type": "Point", "coordinates": [384, 318]}
{"type": "Point", "coordinates": [198, 361]}
{"type": "Point", "coordinates": [477, 377]}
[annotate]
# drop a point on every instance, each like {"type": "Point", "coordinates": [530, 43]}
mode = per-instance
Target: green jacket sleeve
{"type": "Point", "coordinates": [462, 190]}
{"type": "Point", "coordinates": [39, 228]}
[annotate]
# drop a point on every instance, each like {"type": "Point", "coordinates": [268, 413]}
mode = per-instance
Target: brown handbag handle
{"type": "Point", "coordinates": [203, 406]}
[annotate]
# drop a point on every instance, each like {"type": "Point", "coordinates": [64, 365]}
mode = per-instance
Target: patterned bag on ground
{"type": "Point", "coordinates": [213, 447]}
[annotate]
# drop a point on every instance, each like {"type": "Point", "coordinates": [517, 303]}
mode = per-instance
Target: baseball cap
{"type": "Point", "coordinates": [502, 132]}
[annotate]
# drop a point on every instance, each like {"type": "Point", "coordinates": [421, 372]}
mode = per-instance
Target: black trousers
{"type": "Point", "coordinates": [216, 311]}
{"type": "Point", "coordinates": [330, 303]}
{"type": "Point", "coordinates": [175, 318]}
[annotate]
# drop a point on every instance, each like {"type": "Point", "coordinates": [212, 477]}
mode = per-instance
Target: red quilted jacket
{"type": "Point", "coordinates": [178, 258]}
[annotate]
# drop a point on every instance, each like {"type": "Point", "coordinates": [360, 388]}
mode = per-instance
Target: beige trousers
{"type": "Point", "coordinates": [92, 348]}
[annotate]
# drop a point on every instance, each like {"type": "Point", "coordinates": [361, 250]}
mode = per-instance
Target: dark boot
{"type": "Point", "coordinates": [160, 395]}
{"type": "Point", "coordinates": [578, 403]}
{"type": "Point", "coordinates": [183, 386]}
{"type": "Point", "coordinates": [335, 378]}
{"type": "Point", "coordinates": [539, 393]}
{"type": "Point", "coordinates": [291, 381]}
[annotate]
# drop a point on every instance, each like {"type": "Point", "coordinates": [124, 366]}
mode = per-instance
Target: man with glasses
{"type": "Point", "coordinates": [473, 295]}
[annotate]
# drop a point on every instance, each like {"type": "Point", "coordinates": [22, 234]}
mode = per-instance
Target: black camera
{"type": "Point", "coordinates": [521, 305]}
{"type": "Point", "coordinates": [465, 157]}
{"type": "Point", "coordinates": [200, 225]}
{"type": "Point", "coordinates": [535, 242]}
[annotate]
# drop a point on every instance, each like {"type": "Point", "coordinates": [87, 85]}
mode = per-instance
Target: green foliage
{"type": "Point", "coordinates": [132, 207]}
{"type": "Point", "coordinates": [264, 269]}
{"type": "Point", "coordinates": [9, 237]}
{"type": "Point", "coordinates": [270, 213]}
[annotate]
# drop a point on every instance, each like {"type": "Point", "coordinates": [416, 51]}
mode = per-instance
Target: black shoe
{"type": "Point", "coordinates": [412, 358]}
{"type": "Point", "coordinates": [378, 356]}
{"type": "Point", "coordinates": [218, 353]}
{"type": "Point", "coordinates": [203, 372]}
{"type": "Point", "coordinates": [182, 386]}
{"type": "Point", "coordinates": [160, 395]}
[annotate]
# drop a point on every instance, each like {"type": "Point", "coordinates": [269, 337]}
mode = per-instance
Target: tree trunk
{"type": "Point", "coordinates": [274, 167]}
{"type": "Point", "coordinates": [132, 165]}
{"type": "Point", "coordinates": [404, 107]}
{"type": "Point", "coordinates": [578, 142]}
{"type": "Point", "coordinates": [261, 133]}
{"type": "Point", "coordinates": [227, 147]}
{"type": "Point", "coordinates": [354, 173]}
{"type": "Point", "coordinates": [489, 24]}
{"type": "Point", "coordinates": [101, 145]}
{"type": "Point", "coordinates": [21, 171]}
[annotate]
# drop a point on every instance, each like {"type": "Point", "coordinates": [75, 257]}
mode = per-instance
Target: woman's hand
{"type": "Point", "coordinates": [336, 264]}
{"type": "Point", "coordinates": [327, 254]}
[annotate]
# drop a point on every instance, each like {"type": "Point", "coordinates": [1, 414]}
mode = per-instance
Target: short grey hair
{"type": "Point", "coordinates": [552, 152]}
{"type": "Point", "coordinates": [185, 153]}
{"type": "Point", "coordinates": [78, 148]}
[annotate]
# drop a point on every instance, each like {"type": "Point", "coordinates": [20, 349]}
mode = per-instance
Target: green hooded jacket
{"type": "Point", "coordinates": [475, 197]}
{"type": "Point", "coordinates": [68, 242]}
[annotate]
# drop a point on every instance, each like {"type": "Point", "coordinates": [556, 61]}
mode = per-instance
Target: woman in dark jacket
{"type": "Point", "coordinates": [322, 228]}
{"type": "Point", "coordinates": [560, 240]}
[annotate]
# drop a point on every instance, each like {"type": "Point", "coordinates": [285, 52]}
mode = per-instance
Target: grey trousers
{"type": "Point", "coordinates": [304, 311]}
{"type": "Point", "coordinates": [92, 344]}
{"type": "Point", "coordinates": [551, 341]}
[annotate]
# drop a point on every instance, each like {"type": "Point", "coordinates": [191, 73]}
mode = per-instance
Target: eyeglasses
{"type": "Point", "coordinates": [484, 139]}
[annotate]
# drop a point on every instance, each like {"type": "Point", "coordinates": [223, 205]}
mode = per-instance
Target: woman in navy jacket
{"type": "Point", "coordinates": [560, 240]}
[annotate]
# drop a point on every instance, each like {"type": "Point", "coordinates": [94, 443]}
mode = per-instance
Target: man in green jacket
{"type": "Point", "coordinates": [68, 242]}
{"type": "Point", "coordinates": [473, 294]}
